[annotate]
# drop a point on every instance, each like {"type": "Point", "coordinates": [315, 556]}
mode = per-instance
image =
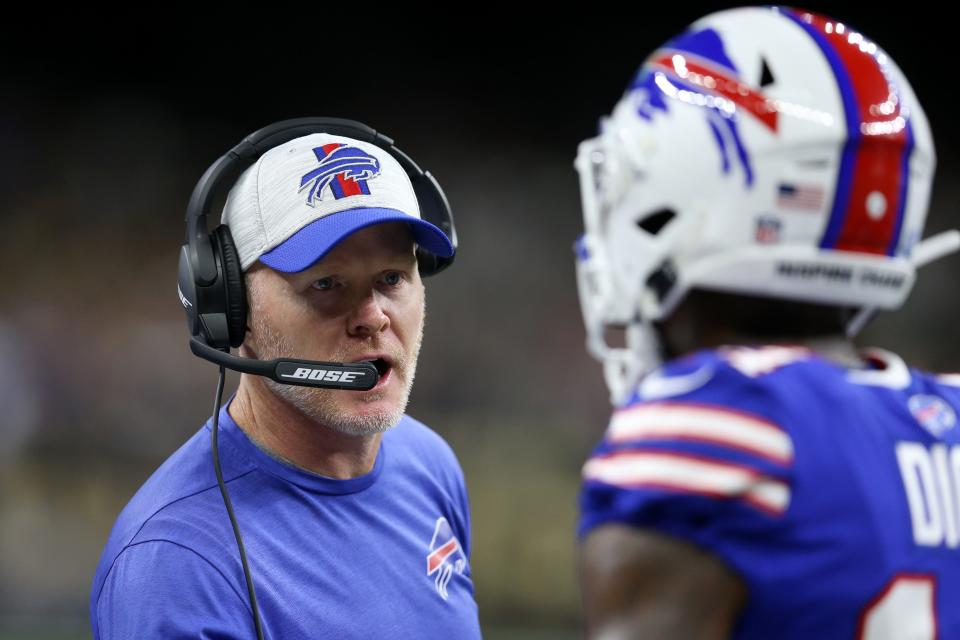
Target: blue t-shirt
{"type": "Point", "coordinates": [384, 555]}
{"type": "Point", "coordinates": [834, 493]}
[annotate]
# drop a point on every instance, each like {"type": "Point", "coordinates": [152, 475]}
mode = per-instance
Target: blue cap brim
{"type": "Point", "coordinates": [315, 240]}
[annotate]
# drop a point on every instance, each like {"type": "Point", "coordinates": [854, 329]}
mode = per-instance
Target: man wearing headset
{"type": "Point", "coordinates": [758, 192]}
{"type": "Point", "coordinates": [354, 516]}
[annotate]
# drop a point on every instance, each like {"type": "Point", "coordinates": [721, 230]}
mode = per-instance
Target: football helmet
{"type": "Point", "coordinates": [763, 151]}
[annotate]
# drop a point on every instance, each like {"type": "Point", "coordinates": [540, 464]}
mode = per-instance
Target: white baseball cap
{"type": "Point", "coordinates": [303, 197]}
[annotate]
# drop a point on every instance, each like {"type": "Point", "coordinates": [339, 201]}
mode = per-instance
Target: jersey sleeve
{"type": "Point", "coordinates": [456, 486]}
{"type": "Point", "coordinates": [432, 450]}
{"type": "Point", "coordinates": [160, 589]}
{"type": "Point", "coordinates": [712, 465]}
{"type": "Point", "coordinates": [464, 507]}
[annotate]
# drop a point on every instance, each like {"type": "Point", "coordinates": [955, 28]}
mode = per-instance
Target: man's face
{"type": "Point", "coordinates": [363, 301]}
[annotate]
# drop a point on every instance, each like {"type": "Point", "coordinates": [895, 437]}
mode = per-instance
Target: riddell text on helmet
{"type": "Point", "coordinates": [841, 274]}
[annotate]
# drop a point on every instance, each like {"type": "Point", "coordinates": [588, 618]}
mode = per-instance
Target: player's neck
{"type": "Point", "coordinates": [285, 433]}
{"type": "Point", "coordinates": [836, 348]}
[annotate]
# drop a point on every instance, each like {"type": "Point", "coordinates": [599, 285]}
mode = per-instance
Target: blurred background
{"type": "Point", "coordinates": [106, 129]}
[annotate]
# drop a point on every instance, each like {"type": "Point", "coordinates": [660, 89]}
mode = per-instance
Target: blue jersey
{"type": "Point", "coordinates": [384, 555]}
{"type": "Point", "coordinates": [834, 493]}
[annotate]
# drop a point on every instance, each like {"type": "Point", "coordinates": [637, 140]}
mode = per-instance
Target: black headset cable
{"type": "Point", "coordinates": [254, 610]}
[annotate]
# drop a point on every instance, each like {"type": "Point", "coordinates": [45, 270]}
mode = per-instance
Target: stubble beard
{"type": "Point", "coordinates": [320, 405]}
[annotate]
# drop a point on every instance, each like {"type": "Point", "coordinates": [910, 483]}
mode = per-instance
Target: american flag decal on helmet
{"type": "Point", "coordinates": [810, 197]}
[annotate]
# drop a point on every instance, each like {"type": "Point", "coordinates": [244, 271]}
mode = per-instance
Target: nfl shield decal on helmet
{"type": "Point", "coordinates": [344, 169]}
{"type": "Point", "coordinates": [768, 230]}
{"type": "Point", "coordinates": [446, 557]}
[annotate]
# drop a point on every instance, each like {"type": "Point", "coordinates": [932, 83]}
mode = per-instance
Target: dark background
{"type": "Point", "coordinates": [107, 121]}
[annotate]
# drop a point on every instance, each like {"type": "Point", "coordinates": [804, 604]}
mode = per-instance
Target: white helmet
{"type": "Point", "coordinates": [763, 151]}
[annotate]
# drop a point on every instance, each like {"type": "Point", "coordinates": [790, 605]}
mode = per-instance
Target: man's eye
{"type": "Point", "coordinates": [392, 278]}
{"type": "Point", "coordinates": [323, 284]}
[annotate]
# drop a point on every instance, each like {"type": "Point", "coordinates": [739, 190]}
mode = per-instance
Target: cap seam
{"type": "Point", "coordinates": [256, 193]}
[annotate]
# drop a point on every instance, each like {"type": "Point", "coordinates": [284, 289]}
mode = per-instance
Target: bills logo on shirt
{"type": "Point", "coordinates": [932, 413]}
{"type": "Point", "coordinates": [446, 557]}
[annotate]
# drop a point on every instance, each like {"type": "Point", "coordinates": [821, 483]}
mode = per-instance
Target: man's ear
{"type": "Point", "coordinates": [246, 349]}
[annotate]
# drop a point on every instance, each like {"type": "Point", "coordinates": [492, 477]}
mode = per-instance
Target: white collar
{"type": "Point", "coordinates": [894, 373]}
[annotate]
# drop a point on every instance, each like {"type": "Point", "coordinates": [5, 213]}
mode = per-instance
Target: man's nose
{"type": "Point", "coordinates": [367, 316]}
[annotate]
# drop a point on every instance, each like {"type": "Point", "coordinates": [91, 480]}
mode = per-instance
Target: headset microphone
{"type": "Point", "coordinates": [359, 376]}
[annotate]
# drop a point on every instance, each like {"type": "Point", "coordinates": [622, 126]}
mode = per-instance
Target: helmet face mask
{"type": "Point", "coordinates": [747, 156]}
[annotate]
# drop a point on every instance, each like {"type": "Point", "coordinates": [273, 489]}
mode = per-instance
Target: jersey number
{"type": "Point", "coordinates": [905, 609]}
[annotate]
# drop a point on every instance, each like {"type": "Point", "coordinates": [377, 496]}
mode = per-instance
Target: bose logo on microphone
{"type": "Point", "coordinates": [302, 373]}
{"type": "Point", "coordinates": [183, 299]}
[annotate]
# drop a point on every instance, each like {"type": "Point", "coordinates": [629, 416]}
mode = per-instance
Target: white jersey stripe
{"type": "Point", "coordinates": [634, 469]}
{"type": "Point", "coordinates": [949, 379]}
{"type": "Point", "coordinates": [698, 422]}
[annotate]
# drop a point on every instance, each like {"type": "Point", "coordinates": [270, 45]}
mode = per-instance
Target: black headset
{"type": "Point", "coordinates": [211, 287]}
{"type": "Point", "coordinates": [210, 280]}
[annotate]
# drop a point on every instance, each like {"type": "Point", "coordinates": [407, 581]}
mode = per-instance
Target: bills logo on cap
{"type": "Point", "coordinates": [446, 557]}
{"type": "Point", "coordinates": [933, 414]}
{"type": "Point", "coordinates": [344, 169]}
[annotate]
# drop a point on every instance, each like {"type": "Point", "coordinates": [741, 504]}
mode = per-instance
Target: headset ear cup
{"type": "Point", "coordinates": [236, 293]}
{"type": "Point", "coordinates": [434, 209]}
{"type": "Point", "coordinates": [426, 263]}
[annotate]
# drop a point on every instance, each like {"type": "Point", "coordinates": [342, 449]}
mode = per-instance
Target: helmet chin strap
{"type": "Point", "coordinates": [623, 368]}
{"type": "Point", "coordinates": [927, 251]}
{"type": "Point", "coordinates": [618, 370]}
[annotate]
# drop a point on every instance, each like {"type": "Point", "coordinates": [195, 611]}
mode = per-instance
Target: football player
{"type": "Point", "coordinates": [758, 193]}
